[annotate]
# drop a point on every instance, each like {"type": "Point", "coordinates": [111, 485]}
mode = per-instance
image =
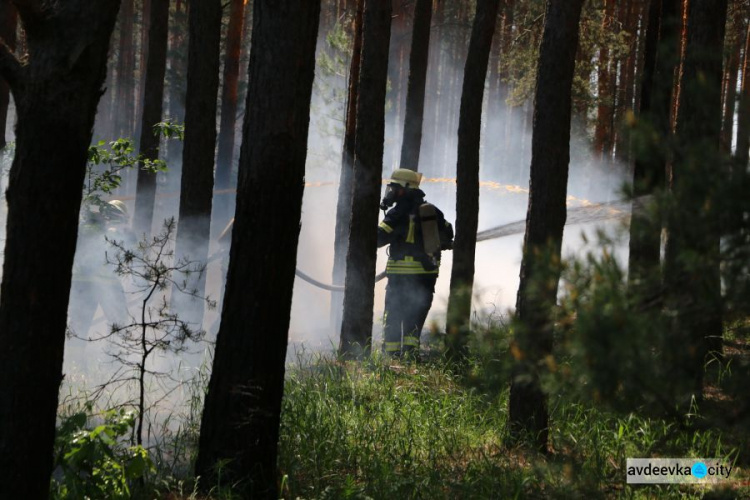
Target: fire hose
{"type": "Point", "coordinates": [578, 215]}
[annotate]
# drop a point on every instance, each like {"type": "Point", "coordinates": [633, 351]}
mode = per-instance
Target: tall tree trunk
{"type": "Point", "coordinates": [8, 36]}
{"type": "Point", "coordinates": [431, 125]}
{"type": "Point", "coordinates": [397, 76]}
{"type": "Point", "coordinates": [729, 98]}
{"type": "Point", "coordinates": [240, 423]}
{"type": "Point", "coordinates": [176, 81]}
{"type": "Point", "coordinates": [540, 268]}
{"type": "Point", "coordinates": [626, 104]}
{"type": "Point", "coordinates": [142, 63]}
{"type": "Point", "coordinates": [228, 123]}
{"type": "Point", "coordinates": [691, 272]}
{"type": "Point", "coordinates": [359, 293]}
{"type": "Point", "coordinates": [603, 133]}
{"type": "Point", "coordinates": [152, 110]}
{"type": "Point", "coordinates": [467, 169]}
{"type": "Point", "coordinates": [197, 181]}
{"type": "Point", "coordinates": [495, 112]}
{"type": "Point", "coordinates": [56, 93]}
{"type": "Point", "coordinates": [510, 114]}
{"type": "Point", "coordinates": [418, 58]}
{"type": "Point", "coordinates": [742, 151]}
{"type": "Point", "coordinates": [346, 178]}
{"type": "Point", "coordinates": [660, 62]}
{"type": "Point", "coordinates": [125, 73]}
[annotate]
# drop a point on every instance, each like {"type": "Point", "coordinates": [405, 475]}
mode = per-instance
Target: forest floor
{"type": "Point", "coordinates": [388, 430]}
{"type": "Point", "coordinates": [391, 430]}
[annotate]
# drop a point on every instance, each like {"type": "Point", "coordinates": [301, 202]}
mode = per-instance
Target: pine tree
{"type": "Point", "coordinates": [346, 177]}
{"type": "Point", "coordinates": [661, 58]}
{"type": "Point", "coordinates": [197, 180]}
{"type": "Point", "coordinates": [240, 423]}
{"type": "Point", "coordinates": [152, 113]}
{"type": "Point", "coordinates": [693, 285]}
{"type": "Point", "coordinates": [228, 122]}
{"type": "Point", "coordinates": [545, 220]}
{"type": "Point", "coordinates": [56, 92]}
{"type": "Point", "coordinates": [418, 58]}
{"type": "Point", "coordinates": [359, 293]}
{"type": "Point", "coordinates": [467, 168]}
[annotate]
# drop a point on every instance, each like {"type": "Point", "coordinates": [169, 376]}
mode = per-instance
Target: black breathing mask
{"type": "Point", "coordinates": [392, 192]}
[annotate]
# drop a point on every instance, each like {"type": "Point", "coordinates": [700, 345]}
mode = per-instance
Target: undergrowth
{"type": "Point", "coordinates": [380, 430]}
{"type": "Point", "coordinates": [385, 430]}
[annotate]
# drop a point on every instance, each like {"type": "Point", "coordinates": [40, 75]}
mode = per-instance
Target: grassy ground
{"type": "Point", "coordinates": [385, 430]}
{"type": "Point", "coordinates": [389, 430]}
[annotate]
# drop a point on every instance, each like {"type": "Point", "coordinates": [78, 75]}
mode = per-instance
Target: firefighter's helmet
{"type": "Point", "coordinates": [406, 178]}
{"type": "Point", "coordinates": [117, 211]}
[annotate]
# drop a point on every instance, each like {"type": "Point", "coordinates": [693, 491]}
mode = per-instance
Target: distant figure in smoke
{"type": "Point", "coordinates": [416, 232]}
{"type": "Point", "coordinates": [94, 282]}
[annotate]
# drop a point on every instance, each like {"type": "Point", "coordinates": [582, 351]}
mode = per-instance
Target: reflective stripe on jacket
{"type": "Point", "coordinates": [408, 266]}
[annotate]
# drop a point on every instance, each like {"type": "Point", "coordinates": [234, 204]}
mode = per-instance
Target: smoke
{"type": "Point", "coordinates": [503, 200]}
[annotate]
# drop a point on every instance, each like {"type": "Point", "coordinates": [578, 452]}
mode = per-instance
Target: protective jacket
{"type": "Point", "coordinates": [402, 229]}
{"type": "Point", "coordinates": [412, 270]}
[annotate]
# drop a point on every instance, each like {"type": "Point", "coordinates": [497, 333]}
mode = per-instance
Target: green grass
{"type": "Point", "coordinates": [383, 431]}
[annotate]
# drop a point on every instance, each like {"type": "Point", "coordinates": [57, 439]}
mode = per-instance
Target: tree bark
{"type": "Point", "coordinates": [540, 267]}
{"type": "Point", "coordinates": [467, 168]}
{"type": "Point", "coordinates": [729, 98]}
{"type": "Point", "coordinates": [359, 287]}
{"type": "Point", "coordinates": [125, 73]}
{"type": "Point", "coordinates": [153, 95]}
{"type": "Point", "coordinates": [627, 102]}
{"type": "Point", "coordinates": [228, 123]}
{"type": "Point", "coordinates": [346, 178]}
{"type": "Point", "coordinates": [197, 181]}
{"type": "Point", "coordinates": [603, 133]}
{"type": "Point", "coordinates": [691, 272]}
{"type": "Point", "coordinates": [241, 416]}
{"type": "Point", "coordinates": [8, 17]}
{"type": "Point", "coordinates": [56, 93]}
{"type": "Point", "coordinates": [420, 44]}
{"type": "Point", "coordinates": [742, 151]}
{"type": "Point", "coordinates": [660, 62]}
{"type": "Point", "coordinates": [176, 81]}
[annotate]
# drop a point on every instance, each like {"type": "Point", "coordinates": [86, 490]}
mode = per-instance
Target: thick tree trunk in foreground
{"type": "Point", "coordinates": [8, 36]}
{"type": "Point", "coordinates": [467, 168]}
{"type": "Point", "coordinates": [359, 293]}
{"type": "Point", "coordinates": [242, 411]}
{"type": "Point", "coordinates": [420, 44]}
{"type": "Point", "coordinates": [691, 272]}
{"type": "Point", "coordinates": [660, 61]}
{"type": "Point", "coordinates": [56, 94]}
{"type": "Point", "coordinates": [222, 206]}
{"type": "Point", "coordinates": [197, 181]}
{"type": "Point", "coordinates": [152, 111]}
{"type": "Point", "coordinates": [540, 268]}
{"type": "Point", "coordinates": [346, 179]}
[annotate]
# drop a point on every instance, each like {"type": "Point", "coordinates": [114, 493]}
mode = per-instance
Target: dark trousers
{"type": "Point", "coordinates": [408, 298]}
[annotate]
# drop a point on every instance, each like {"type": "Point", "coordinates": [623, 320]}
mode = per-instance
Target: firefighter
{"type": "Point", "coordinates": [94, 282]}
{"type": "Point", "coordinates": [416, 232]}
